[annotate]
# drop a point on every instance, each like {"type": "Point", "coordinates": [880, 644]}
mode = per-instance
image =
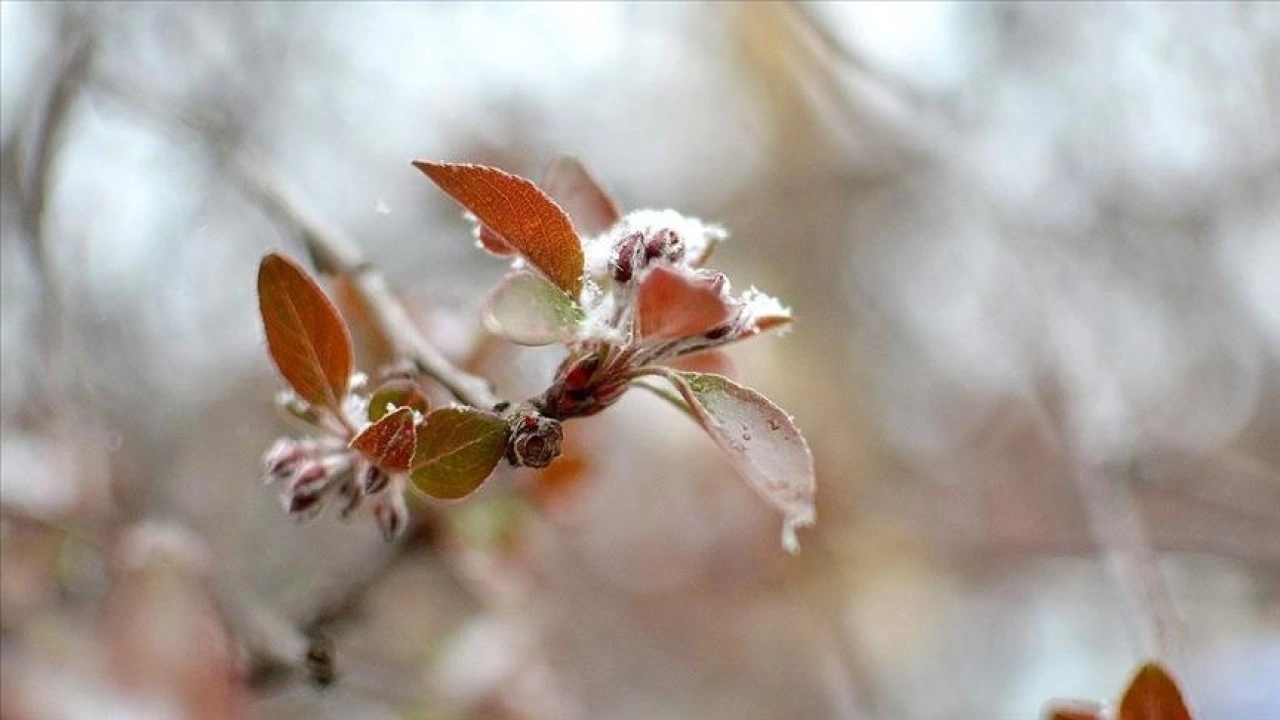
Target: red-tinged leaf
{"type": "Point", "coordinates": [306, 335]}
{"type": "Point", "coordinates": [715, 362]}
{"type": "Point", "coordinates": [528, 310]}
{"type": "Point", "coordinates": [567, 181]}
{"type": "Point", "coordinates": [676, 304]}
{"type": "Point", "coordinates": [458, 448]}
{"type": "Point", "coordinates": [762, 442]}
{"type": "Point", "coordinates": [1153, 695]}
{"type": "Point", "coordinates": [389, 443]}
{"type": "Point", "coordinates": [491, 242]}
{"type": "Point", "coordinates": [518, 211]}
{"type": "Point", "coordinates": [396, 394]}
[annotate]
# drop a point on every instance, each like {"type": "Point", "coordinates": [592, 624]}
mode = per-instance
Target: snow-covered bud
{"type": "Point", "coordinates": [535, 439]}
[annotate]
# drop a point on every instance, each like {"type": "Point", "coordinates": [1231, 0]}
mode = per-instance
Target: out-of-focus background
{"type": "Point", "coordinates": [1034, 256]}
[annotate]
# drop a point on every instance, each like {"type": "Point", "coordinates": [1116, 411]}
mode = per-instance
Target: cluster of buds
{"type": "Point", "coordinates": [648, 301]}
{"type": "Point", "coordinates": [320, 469]}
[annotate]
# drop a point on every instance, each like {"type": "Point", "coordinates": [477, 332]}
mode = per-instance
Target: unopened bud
{"type": "Point", "coordinates": [664, 244]}
{"type": "Point", "coordinates": [282, 458]}
{"type": "Point", "coordinates": [392, 515]}
{"type": "Point", "coordinates": [623, 263]}
{"type": "Point", "coordinates": [535, 439]}
{"type": "Point", "coordinates": [373, 480]}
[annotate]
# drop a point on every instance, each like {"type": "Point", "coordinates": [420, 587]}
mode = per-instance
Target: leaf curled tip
{"type": "Point", "coordinates": [306, 336]}
{"type": "Point", "coordinates": [518, 213]}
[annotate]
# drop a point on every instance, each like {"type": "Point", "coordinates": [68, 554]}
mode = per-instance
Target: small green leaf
{"type": "Point", "coordinates": [1153, 695]}
{"type": "Point", "coordinates": [389, 443]}
{"type": "Point", "coordinates": [306, 336]}
{"type": "Point", "coordinates": [458, 448]}
{"type": "Point", "coordinates": [761, 441]}
{"type": "Point", "coordinates": [528, 310]}
{"type": "Point", "coordinates": [396, 394]}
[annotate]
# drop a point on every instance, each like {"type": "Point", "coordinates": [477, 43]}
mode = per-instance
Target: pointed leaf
{"type": "Point", "coordinates": [518, 211]}
{"type": "Point", "coordinates": [396, 394]}
{"type": "Point", "coordinates": [306, 335]}
{"type": "Point", "coordinates": [458, 448]}
{"type": "Point", "coordinates": [528, 310]}
{"type": "Point", "coordinates": [762, 442]}
{"type": "Point", "coordinates": [676, 304]}
{"type": "Point", "coordinates": [590, 206]}
{"type": "Point", "coordinates": [389, 443]}
{"type": "Point", "coordinates": [1153, 695]}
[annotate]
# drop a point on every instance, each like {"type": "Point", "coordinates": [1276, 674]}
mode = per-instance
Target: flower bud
{"type": "Point", "coordinates": [623, 263]}
{"type": "Point", "coordinates": [282, 458]}
{"type": "Point", "coordinates": [373, 480]}
{"type": "Point", "coordinates": [665, 244]}
{"type": "Point", "coordinates": [535, 439]}
{"type": "Point", "coordinates": [392, 515]}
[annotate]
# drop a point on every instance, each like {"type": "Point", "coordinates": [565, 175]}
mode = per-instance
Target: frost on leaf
{"type": "Point", "coordinates": [306, 336]}
{"type": "Point", "coordinates": [528, 310]}
{"type": "Point", "coordinates": [458, 448]}
{"type": "Point", "coordinates": [519, 213]}
{"type": "Point", "coordinates": [1153, 695]}
{"type": "Point", "coordinates": [571, 185]}
{"type": "Point", "coordinates": [389, 442]}
{"type": "Point", "coordinates": [762, 442]}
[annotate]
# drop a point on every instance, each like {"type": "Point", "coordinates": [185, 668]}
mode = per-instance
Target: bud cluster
{"type": "Point", "coordinates": [315, 471]}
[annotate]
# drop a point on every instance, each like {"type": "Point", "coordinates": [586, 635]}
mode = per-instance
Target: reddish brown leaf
{"type": "Point", "coordinates": [458, 448]}
{"type": "Point", "coordinates": [1153, 695]}
{"type": "Point", "coordinates": [674, 304]}
{"type": "Point", "coordinates": [761, 441]}
{"type": "Point", "coordinates": [518, 211]}
{"type": "Point", "coordinates": [306, 335]}
{"type": "Point", "coordinates": [389, 443]}
{"type": "Point", "coordinates": [590, 206]}
{"type": "Point", "coordinates": [396, 394]}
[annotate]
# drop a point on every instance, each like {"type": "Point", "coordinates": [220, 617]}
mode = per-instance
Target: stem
{"type": "Point", "coordinates": [337, 256]}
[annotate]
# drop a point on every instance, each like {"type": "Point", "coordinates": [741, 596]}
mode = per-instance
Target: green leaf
{"type": "Point", "coordinates": [458, 448]}
{"type": "Point", "coordinates": [1153, 695]}
{"type": "Point", "coordinates": [761, 441]}
{"type": "Point", "coordinates": [389, 443]}
{"type": "Point", "coordinates": [396, 394]}
{"type": "Point", "coordinates": [306, 336]}
{"type": "Point", "coordinates": [518, 212]}
{"type": "Point", "coordinates": [528, 310]}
